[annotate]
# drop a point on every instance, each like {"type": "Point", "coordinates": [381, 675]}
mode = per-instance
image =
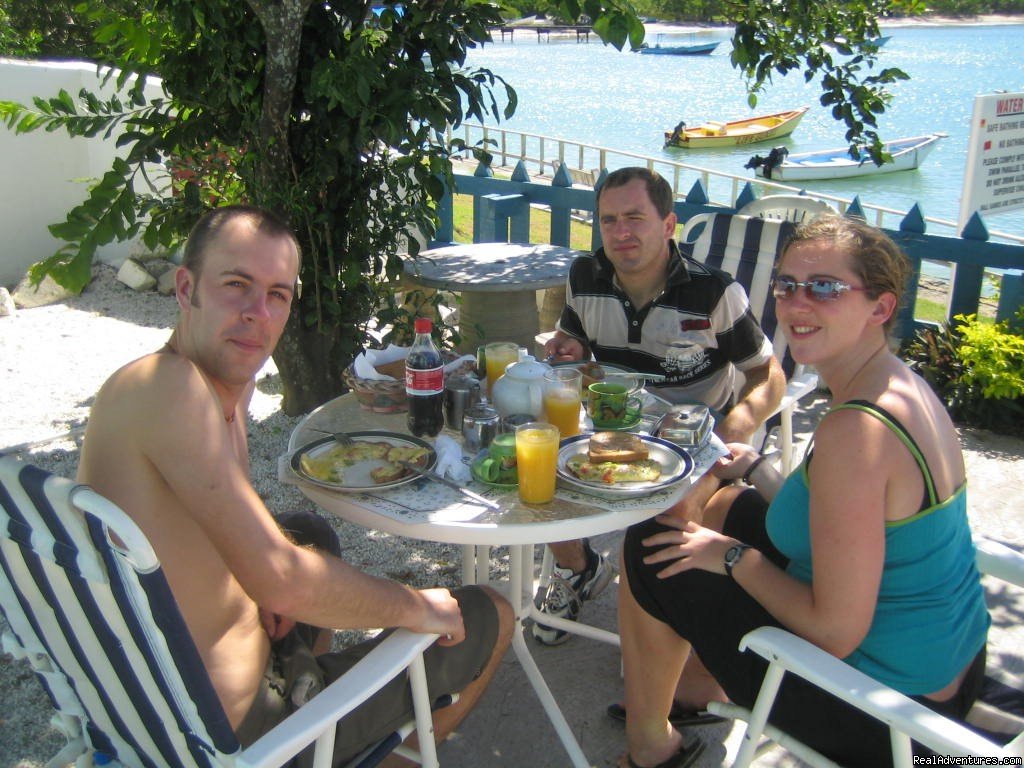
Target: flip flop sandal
{"type": "Point", "coordinates": [684, 758]}
{"type": "Point", "coordinates": [678, 716]}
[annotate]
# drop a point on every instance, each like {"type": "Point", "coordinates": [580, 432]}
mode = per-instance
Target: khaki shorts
{"type": "Point", "coordinates": [449, 670]}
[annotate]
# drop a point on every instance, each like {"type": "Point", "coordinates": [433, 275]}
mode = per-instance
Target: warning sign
{"type": "Point", "coordinates": [994, 178]}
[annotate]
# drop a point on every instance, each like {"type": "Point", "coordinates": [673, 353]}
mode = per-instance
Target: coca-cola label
{"type": "Point", "coordinates": [424, 382]}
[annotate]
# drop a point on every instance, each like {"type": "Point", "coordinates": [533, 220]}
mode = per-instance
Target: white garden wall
{"type": "Point", "coordinates": [43, 175]}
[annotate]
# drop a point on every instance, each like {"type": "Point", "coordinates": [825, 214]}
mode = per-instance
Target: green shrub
{"type": "Point", "coordinates": [977, 369]}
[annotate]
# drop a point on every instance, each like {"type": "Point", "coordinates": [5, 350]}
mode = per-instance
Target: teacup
{"type": "Point", "coordinates": [611, 405]}
{"type": "Point", "coordinates": [499, 466]}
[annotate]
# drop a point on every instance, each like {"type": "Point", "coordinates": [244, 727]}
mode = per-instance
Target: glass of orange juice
{"type": "Point", "coordinates": [497, 356]}
{"type": "Point", "coordinates": [537, 461]}
{"type": "Point", "coordinates": [562, 388]}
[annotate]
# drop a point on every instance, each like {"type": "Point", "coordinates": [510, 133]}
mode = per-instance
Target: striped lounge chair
{"type": "Point", "coordinates": [746, 247]}
{"type": "Point", "coordinates": [96, 620]}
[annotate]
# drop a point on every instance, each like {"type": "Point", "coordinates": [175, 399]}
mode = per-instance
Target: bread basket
{"type": "Point", "coordinates": [388, 395]}
{"type": "Point", "coordinates": [377, 395]}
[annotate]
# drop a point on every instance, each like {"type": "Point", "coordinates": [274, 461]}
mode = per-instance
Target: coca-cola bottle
{"type": "Point", "coordinates": [424, 382]}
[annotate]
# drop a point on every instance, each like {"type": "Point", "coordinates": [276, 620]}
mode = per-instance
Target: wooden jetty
{"type": "Point", "coordinates": [582, 31]}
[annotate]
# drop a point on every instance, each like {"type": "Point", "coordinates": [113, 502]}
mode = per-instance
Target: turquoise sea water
{"type": "Point", "coordinates": [591, 93]}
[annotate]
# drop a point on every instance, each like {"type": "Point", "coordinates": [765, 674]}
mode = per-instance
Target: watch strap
{"type": "Point", "coordinates": [732, 556]}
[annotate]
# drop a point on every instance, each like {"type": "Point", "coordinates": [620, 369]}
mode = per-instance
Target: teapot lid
{"type": "Point", "coordinates": [528, 368]}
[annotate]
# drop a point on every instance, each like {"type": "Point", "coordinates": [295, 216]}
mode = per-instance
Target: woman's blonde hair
{"type": "Point", "coordinates": [879, 263]}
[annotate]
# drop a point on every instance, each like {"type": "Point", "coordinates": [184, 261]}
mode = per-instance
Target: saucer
{"type": "Point", "coordinates": [474, 469]}
{"type": "Point", "coordinates": [623, 427]}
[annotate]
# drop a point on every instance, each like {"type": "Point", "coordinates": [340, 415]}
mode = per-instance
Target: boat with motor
{"type": "Point", "coordinates": [750, 130]}
{"type": "Point", "coordinates": [696, 49]}
{"type": "Point", "coordinates": [905, 155]}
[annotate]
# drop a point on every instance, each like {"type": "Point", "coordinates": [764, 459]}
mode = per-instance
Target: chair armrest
{"type": "Point", "coordinates": [339, 698]}
{"type": "Point", "coordinates": [798, 387]}
{"type": "Point", "coordinates": [796, 655]}
{"type": "Point", "coordinates": [1000, 561]}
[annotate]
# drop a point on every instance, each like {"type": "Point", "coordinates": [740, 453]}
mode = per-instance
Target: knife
{"type": "Point", "coordinates": [450, 483]}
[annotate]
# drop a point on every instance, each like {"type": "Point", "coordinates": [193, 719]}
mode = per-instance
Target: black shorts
{"type": "Point", "coordinates": [449, 669]}
{"type": "Point", "coordinates": [713, 613]}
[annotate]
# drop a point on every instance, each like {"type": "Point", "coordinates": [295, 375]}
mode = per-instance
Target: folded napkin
{"type": "Point", "coordinates": [449, 460]}
{"type": "Point", "coordinates": [459, 362]}
{"type": "Point", "coordinates": [366, 363]}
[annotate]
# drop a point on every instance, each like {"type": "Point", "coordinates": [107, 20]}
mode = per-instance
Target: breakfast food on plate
{"type": "Point", "coordinates": [616, 446]}
{"type": "Point", "coordinates": [380, 460]}
{"type": "Point", "coordinates": [591, 372]}
{"type": "Point", "coordinates": [389, 472]}
{"type": "Point", "coordinates": [614, 471]}
{"type": "Point", "coordinates": [614, 457]}
{"type": "Point", "coordinates": [413, 453]}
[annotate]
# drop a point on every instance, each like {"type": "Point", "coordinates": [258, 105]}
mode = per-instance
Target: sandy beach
{"type": "Point", "coordinates": [925, 20]}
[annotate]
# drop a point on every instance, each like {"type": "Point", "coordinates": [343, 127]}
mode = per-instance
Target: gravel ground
{"type": "Point", "coordinates": [53, 359]}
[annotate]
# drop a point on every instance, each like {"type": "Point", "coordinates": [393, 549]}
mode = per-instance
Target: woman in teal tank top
{"type": "Point", "coordinates": [864, 549]}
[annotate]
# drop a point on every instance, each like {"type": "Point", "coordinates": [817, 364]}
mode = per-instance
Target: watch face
{"type": "Point", "coordinates": [733, 555]}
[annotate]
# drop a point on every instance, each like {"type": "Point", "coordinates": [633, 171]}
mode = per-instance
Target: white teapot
{"type": "Point", "coordinates": [521, 388]}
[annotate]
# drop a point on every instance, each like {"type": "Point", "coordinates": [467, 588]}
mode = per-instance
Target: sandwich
{"type": "Point", "coordinates": [615, 457]}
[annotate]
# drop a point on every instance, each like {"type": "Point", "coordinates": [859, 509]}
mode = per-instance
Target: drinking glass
{"type": "Point", "coordinates": [562, 393]}
{"type": "Point", "coordinates": [537, 461]}
{"type": "Point", "coordinates": [611, 405]}
{"type": "Point", "coordinates": [498, 356]}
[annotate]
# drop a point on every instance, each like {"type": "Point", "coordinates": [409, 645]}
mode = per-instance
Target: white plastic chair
{"type": "Point", "coordinates": [907, 719]}
{"type": "Point", "coordinates": [786, 207]}
{"type": "Point", "coordinates": [100, 628]}
{"type": "Point", "coordinates": [747, 247]}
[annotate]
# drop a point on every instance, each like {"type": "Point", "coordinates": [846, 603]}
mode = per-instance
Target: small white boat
{"type": "Point", "coordinates": [780, 165]}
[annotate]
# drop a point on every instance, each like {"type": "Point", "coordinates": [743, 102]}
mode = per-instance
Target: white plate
{"type": "Point", "coordinates": [357, 476]}
{"type": "Point", "coordinates": [676, 466]}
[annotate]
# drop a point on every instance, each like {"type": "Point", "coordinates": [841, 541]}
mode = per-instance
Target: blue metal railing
{"type": "Point", "coordinates": [543, 155]}
{"type": "Point", "coordinates": [501, 212]}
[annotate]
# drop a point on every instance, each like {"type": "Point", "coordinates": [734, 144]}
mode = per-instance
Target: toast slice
{"type": "Point", "coordinates": [616, 446]}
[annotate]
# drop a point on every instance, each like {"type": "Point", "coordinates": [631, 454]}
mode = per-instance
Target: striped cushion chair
{"type": "Point", "coordinates": [96, 620]}
{"type": "Point", "coordinates": [747, 247]}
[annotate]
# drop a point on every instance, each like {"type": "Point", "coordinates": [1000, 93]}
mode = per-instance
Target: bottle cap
{"type": "Point", "coordinates": [423, 324]}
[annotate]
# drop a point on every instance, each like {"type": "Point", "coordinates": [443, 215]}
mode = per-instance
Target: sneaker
{"type": "Point", "coordinates": [566, 592]}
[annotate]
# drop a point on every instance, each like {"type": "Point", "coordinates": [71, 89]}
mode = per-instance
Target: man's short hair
{"type": "Point", "coordinates": [658, 190]}
{"type": "Point", "coordinates": [212, 222]}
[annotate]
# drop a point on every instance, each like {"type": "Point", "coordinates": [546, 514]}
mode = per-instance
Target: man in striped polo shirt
{"type": "Point", "coordinates": [639, 302]}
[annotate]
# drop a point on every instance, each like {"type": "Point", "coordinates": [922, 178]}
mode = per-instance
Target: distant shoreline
{"type": "Point", "coordinates": [926, 20]}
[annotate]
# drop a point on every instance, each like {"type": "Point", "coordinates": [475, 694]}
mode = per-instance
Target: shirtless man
{"type": "Point", "coordinates": [166, 441]}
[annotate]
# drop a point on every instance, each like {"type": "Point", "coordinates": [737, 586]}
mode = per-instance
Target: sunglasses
{"type": "Point", "coordinates": [820, 289]}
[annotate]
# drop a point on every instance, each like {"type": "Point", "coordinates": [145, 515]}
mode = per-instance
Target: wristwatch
{"type": "Point", "coordinates": [732, 556]}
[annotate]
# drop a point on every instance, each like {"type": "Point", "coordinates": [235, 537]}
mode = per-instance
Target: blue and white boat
{"type": "Point", "coordinates": [697, 49]}
{"type": "Point", "coordinates": [780, 165]}
{"type": "Point", "coordinates": [682, 49]}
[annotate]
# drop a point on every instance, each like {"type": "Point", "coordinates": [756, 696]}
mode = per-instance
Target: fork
{"type": "Point", "coordinates": [342, 438]}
